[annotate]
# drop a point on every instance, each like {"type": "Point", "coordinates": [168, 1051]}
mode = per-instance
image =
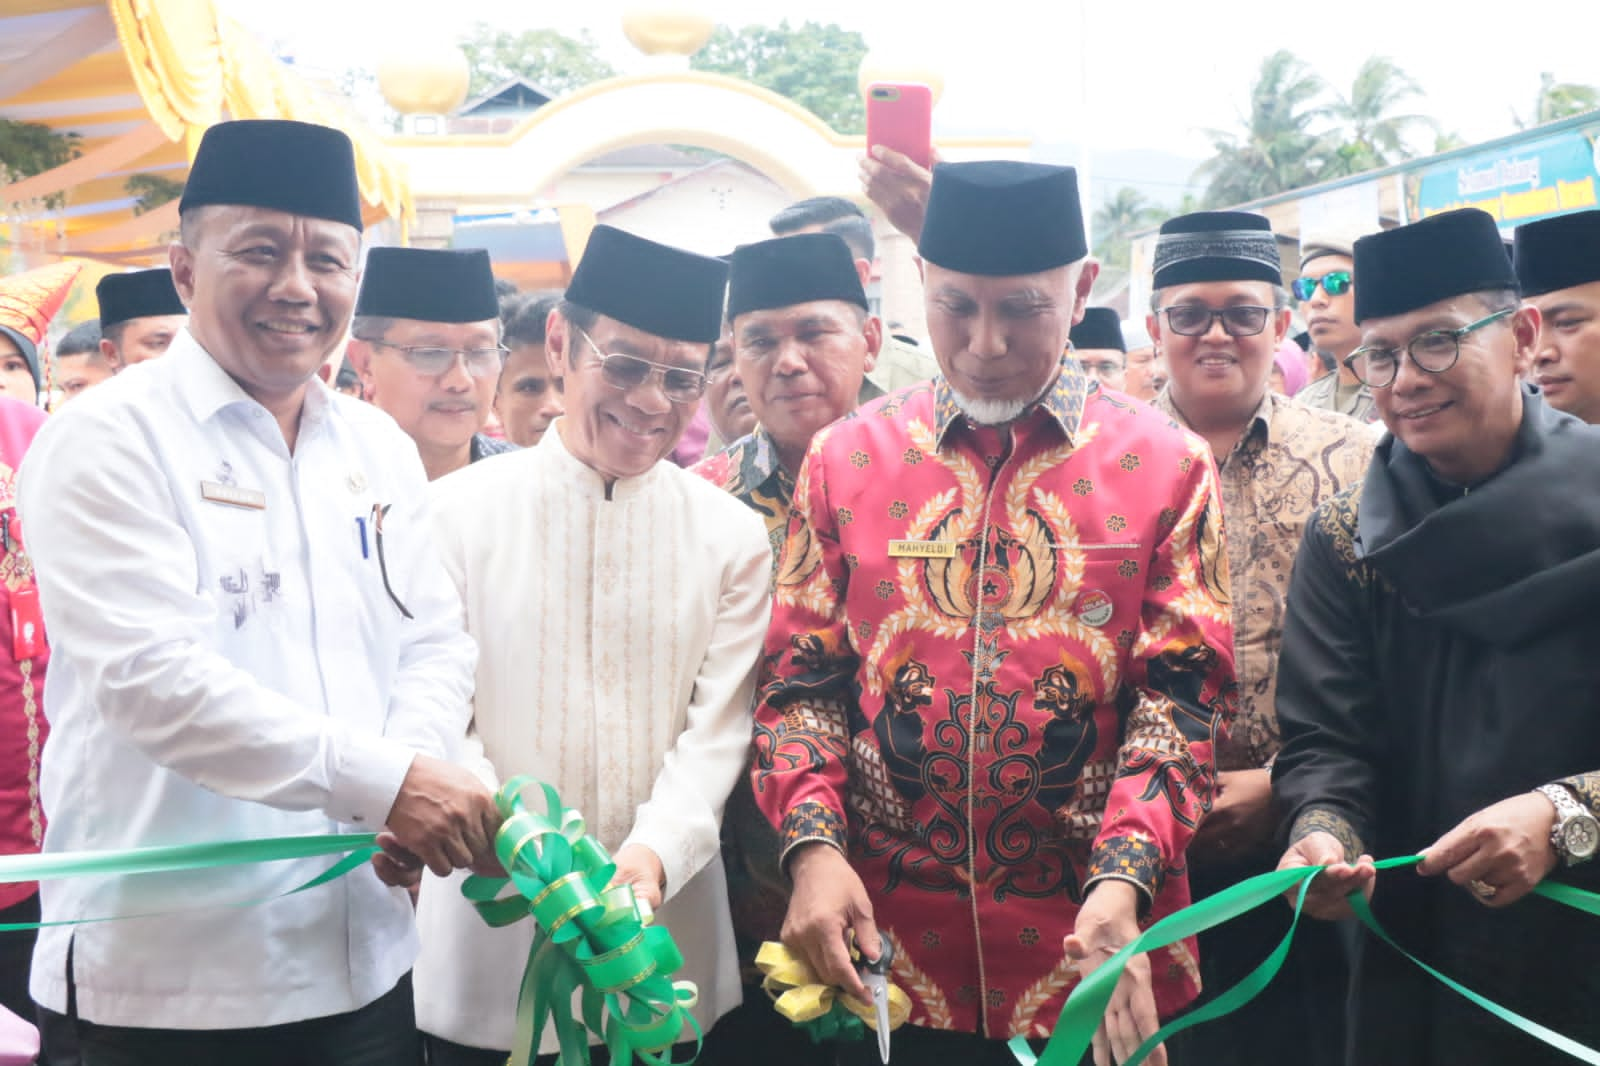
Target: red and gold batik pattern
{"type": "Point", "coordinates": [998, 662]}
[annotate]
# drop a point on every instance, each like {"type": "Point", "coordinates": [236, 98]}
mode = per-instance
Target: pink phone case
{"type": "Point", "coordinates": [901, 117]}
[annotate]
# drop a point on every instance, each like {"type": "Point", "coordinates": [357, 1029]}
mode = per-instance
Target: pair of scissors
{"type": "Point", "coordinates": [875, 976]}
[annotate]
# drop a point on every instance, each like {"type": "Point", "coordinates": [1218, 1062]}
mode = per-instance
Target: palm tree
{"type": "Point", "coordinates": [1559, 99]}
{"type": "Point", "coordinates": [1370, 135]}
{"type": "Point", "coordinates": [1277, 150]}
{"type": "Point", "coordinates": [1126, 213]}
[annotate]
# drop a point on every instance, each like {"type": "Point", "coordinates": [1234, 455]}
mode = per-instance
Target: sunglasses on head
{"type": "Point", "coordinates": [1334, 283]}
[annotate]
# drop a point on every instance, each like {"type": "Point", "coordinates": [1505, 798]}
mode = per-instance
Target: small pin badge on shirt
{"type": "Point", "coordinates": [922, 549]}
{"type": "Point", "coordinates": [357, 482]}
{"type": "Point", "coordinates": [1094, 608]}
{"type": "Point", "coordinates": [233, 496]}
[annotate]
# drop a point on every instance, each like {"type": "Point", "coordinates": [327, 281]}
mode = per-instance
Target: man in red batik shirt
{"type": "Point", "coordinates": [1000, 653]}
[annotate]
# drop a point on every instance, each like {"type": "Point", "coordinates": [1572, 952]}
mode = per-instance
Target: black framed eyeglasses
{"type": "Point", "coordinates": [623, 371]}
{"type": "Point", "coordinates": [433, 360]}
{"type": "Point", "coordinates": [1334, 283]}
{"type": "Point", "coordinates": [1194, 320]}
{"type": "Point", "coordinates": [1432, 352]}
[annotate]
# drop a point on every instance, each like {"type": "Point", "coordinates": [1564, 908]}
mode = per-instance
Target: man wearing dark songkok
{"type": "Point", "coordinates": [1436, 690]}
{"type": "Point", "coordinates": [803, 339]}
{"type": "Point", "coordinates": [1558, 268]}
{"type": "Point", "coordinates": [140, 314]}
{"type": "Point", "coordinates": [999, 655]}
{"type": "Point", "coordinates": [1219, 314]}
{"type": "Point", "coordinates": [211, 680]}
{"type": "Point", "coordinates": [899, 364]}
{"type": "Point", "coordinates": [426, 342]}
{"type": "Point", "coordinates": [1097, 346]}
{"type": "Point", "coordinates": [650, 588]}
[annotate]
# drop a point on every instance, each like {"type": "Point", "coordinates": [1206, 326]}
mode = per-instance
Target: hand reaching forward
{"type": "Point", "coordinates": [1108, 921]}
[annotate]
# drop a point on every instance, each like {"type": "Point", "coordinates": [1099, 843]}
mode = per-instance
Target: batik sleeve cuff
{"type": "Point", "coordinates": [1585, 788]}
{"type": "Point", "coordinates": [1336, 825]}
{"type": "Point", "coordinates": [812, 823]}
{"type": "Point", "coordinates": [1134, 859]}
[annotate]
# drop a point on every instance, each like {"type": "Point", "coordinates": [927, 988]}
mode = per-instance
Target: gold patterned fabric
{"type": "Point", "coordinates": [749, 469]}
{"type": "Point", "coordinates": [1292, 459]}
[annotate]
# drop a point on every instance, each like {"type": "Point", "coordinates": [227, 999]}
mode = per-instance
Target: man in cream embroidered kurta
{"type": "Point", "coordinates": [620, 603]}
{"type": "Point", "coordinates": [637, 616]}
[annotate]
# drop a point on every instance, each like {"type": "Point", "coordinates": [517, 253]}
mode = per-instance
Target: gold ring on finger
{"type": "Point", "coordinates": [1483, 889]}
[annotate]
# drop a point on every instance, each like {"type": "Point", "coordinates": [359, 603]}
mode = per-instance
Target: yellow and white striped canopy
{"type": "Point", "coordinates": [139, 81]}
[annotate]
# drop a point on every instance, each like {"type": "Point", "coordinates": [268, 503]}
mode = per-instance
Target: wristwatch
{"type": "Point", "coordinates": [1576, 834]}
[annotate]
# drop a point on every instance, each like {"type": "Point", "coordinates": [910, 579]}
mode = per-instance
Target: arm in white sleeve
{"type": "Point", "coordinates": [431, 701]}
{"type": "Point", "coordinates": [118, 581]}
{"type": "Point", "coordinates": [680, 821]}
{"type": "Point", "coordinates": [466, 746]}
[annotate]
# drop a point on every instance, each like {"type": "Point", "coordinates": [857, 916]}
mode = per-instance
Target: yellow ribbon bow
{"type": "Point", "coordinates": [824, 1011]}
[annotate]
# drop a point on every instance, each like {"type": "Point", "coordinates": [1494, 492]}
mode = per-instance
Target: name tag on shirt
{"type": "Point", "coordinates": [233, 496]}
{"type": "Point", "coordinates": [922, 549]}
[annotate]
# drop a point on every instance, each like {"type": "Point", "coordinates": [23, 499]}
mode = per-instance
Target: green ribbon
{"type": "Point", "coordinates": [592, 939]}
{"type": "Point", "coordinates": [837, 1024]}
{"type": "Point", "coordinates": [1082, 1013]}
{"type": "Point", "coordinates": [179, 857]}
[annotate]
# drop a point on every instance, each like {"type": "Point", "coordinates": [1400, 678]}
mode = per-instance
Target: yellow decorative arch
{"type": "Point", "coordinates": [754, 125]}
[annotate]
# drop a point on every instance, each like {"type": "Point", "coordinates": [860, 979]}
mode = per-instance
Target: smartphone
{"type": "Point", "coordinates": [900, 116]}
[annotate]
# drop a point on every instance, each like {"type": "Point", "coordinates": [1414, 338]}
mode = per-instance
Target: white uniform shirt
{"type": "Point", "coordinates": [619, 638]}
{"type": "Point", "coordinates": [224, 672]}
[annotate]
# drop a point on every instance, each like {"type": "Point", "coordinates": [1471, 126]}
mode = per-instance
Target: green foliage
{"type": "Point", "coordinates": [1291, 138]}
{"type": "Point", "coordinates": [1277, 149]}
{"type": "Point", "coordinates": [813, 64]}
{"type": "Point", "coordinates": [1558, 100]}
{"type": "Point", "coordinates": [550, 59]}
{"type": "Point", "coordinates": [1371, 135]}
{"type": "Point", "coordinates": [29, 148]}
{"type": "Point", "coordinates": [152, 190]}
{"type": "Point", "coordinates": [1117, 220]}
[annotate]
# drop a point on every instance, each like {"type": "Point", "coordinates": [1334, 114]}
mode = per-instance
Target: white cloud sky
{"type": "Point", "coordinates": [1158, 72]}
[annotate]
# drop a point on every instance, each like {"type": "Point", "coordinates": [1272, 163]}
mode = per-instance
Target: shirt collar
{"type": "Point", "coordinates": [1260, 425]}
{"type": "Point", "coordinates": [207, 388]}
{"type": "Point", "coordinates": [755, 459]}
{"type": "Point", "coordinates": [585, 477]}
{"type": "Point", "coordinates": [1063, 401]}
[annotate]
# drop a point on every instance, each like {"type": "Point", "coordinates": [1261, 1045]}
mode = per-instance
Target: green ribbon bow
{"type": "Point", "coordinates": [593, 940]}
{"type": "Point", "coordinates": [1081, 1014]}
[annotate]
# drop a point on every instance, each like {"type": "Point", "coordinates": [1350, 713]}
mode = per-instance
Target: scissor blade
{"type": "Point", "coordinates": [880, 1003]}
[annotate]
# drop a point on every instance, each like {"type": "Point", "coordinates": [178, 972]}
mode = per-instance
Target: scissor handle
{"type": "Point", "coordinates": [881, 964]}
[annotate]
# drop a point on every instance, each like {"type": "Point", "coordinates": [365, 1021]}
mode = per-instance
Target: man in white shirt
{"type": "Point", "coordinates": [620, 604]}
{"type": "Point", "coordinates": [253, 638]}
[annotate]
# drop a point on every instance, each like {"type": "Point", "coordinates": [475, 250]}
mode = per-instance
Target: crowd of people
{"type": "Point", "coordinates": [977, 656]}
